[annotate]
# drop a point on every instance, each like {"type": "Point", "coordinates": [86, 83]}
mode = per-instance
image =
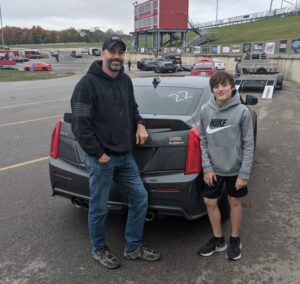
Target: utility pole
{"type": "Point", "coordinates": [217, 7]}
{"type": "Point", "coordinates": [1, 27]}
{"type": "Point", "coordinates": [271, 4]}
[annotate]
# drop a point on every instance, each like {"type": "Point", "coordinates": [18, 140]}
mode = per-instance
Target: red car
{"type": "Point", "coordinates": [204, 67]}
{"type": "Point", "coordinates": [38, 67]}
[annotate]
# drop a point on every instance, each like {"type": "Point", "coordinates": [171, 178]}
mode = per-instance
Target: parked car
{"type": "Point", "coordinates": [8, 68]}
{"type": "Point", "coordinates": [169, 162]}
{"type": "Point", "coordinates": [40, 66]}
{"type": "Point", "coordinates": [164, 66]}
{"type": "Point", "coordinates": [219, 64]}
{"type": "Point", "coordinates": [184, 67]}
{"type": "Point", "coordinates": [94, 51]}
{"type": "Point", "coordinates": [140, 63]}
{"type": "Point", "coordinates": [204, 67]}
{"type": "Point", "coordinates": [35, 56]}
{"type": "Point", "coordinates": [76, 54]}
{"type": "Point", "coordinates": [148, 65]}
{"type": "Point", "coordinates": [20, 59]}
{"type": "Point", "coordinates": [176, 59]}
{"type": "Point", "coordinates": [254, 71]}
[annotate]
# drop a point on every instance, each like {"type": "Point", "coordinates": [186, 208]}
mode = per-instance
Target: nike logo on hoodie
{"type": "Point", "coordinates": [210, 130]}
{"type": "Point", "coordinates": [216, 124]}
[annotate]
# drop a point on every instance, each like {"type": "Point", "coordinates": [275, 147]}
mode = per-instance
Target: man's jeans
{"type": "Point", "coordinates": [124, 171]}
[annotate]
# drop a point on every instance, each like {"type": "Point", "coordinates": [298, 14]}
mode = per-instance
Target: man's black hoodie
{"type": "Point", "coordinates": [105, 114]}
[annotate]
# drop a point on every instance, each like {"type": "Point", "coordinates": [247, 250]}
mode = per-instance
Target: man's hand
{"type": "Point", "coordinates": [141, 134]}
{"type": "Point", "coordinates": [104, 158]}
{"type": "Point", "coordinates": [210, 178]}
{"type": "Point", "coordinates": [240, 183]}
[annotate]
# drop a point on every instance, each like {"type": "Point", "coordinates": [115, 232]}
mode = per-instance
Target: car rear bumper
{"type": "Point", "coordinates": [173, 194]}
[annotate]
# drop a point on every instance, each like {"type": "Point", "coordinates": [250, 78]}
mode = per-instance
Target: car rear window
{"type": "Point", "coordinates": [167, 100]}
{"type": "Point", "coordinates": [203, 66]}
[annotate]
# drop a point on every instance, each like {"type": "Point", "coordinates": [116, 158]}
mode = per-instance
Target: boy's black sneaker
{"type": "Point", "coordinates": [106, 258]}
{"type": "Point", "coordinates": [213, 245]}
{"type": "Point", "coordinates": [234, 250]}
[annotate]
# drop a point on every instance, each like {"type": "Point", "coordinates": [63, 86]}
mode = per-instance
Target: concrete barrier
{"type": "Point", "coordinates": [288, 65]}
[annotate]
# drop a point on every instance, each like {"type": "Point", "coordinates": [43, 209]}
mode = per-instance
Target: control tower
{"type": "Point", "coordinates": [165, 21]}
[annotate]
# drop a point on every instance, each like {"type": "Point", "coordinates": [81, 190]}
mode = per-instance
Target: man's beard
{"type": "Point", "coordinates": [114, 68]}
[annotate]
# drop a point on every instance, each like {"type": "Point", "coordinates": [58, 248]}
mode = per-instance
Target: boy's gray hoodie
{"type": "Point", "coordinates": [226, 136]}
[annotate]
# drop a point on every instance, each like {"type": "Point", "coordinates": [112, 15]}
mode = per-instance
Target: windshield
{"type": "Point", "coordinates": [167, 100]}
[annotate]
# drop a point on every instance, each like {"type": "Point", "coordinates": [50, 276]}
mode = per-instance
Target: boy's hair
{"type": "Point", "coordinates": [221, 77]}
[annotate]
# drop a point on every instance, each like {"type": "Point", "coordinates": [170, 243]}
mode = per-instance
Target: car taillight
{"type": "Point", "coordinates": [55, 140]}
{"type": "Point", "coordinates": [193, 162]}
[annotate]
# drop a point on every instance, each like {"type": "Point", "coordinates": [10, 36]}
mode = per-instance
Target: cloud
{"type": "Point", "coordinates": [114, 14]}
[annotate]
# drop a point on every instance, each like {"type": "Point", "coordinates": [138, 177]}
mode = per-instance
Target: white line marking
{"type": "Point", "coordinates": [31, 120]}
{"type": "Point", "coordinates": [35, 103]}
{"type": "Point", "coordinates": [23, 164]}
{"type": "Point", "coordinates": [25, 88]}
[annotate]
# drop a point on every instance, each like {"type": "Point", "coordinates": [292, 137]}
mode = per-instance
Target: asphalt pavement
{"type": "Point", "coordinates": [44, 239]}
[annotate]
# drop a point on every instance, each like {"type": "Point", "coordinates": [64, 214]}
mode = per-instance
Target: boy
{"type": "Point", "coordinates": [227, 143]}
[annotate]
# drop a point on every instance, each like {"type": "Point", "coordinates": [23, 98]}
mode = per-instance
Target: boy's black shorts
{"type": "Point", "coordinates": [216, 190]}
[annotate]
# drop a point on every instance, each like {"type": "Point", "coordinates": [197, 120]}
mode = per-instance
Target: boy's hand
{"type": "Point", "coordinates": [240, 183]}
{"type": "Point", "coordinates": [141, 134]}
{"type": "Point", "coordinates": [210, 178]}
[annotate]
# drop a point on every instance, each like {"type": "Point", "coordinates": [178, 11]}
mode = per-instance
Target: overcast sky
{"type": "Point", "coordinates": [114, 14]}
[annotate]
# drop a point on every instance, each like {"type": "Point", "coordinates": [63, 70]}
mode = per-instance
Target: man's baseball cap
{"type": "Point", "coordinates": [110, 42]}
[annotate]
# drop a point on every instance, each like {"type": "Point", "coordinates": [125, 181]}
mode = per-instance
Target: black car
{"type": "Point", "coordinates": [148, 65]}
{"type": "Point", "coordinates": [169, 162]}
{"type": "Point", "coordinates": [140, 63]}
{"type": "Point", "coordinates": [164, 66]}
{"type": "Point", "coordinates": [34, 56]}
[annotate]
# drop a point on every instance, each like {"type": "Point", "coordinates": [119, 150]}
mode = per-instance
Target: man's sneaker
{"type": "Point", "coordinates": [106, 258]}
{"type": "Point", "coordinates": [234, 250]}
{"type": "Point", "coordinates": [143, 253]}
{"type": "Point", "coordinates": [213, 245]}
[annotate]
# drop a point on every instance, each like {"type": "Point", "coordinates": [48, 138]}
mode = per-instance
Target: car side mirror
{"type": "Point", "coordinates": [251, 100]}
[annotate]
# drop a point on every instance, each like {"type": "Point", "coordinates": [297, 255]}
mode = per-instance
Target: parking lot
{"type": "Point", "coordinates": [44, 239]}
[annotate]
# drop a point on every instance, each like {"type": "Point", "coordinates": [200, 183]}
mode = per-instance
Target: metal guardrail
{"type": "Point", "coordinates": [246, 18]}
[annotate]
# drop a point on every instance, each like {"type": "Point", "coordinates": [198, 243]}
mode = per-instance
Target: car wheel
{"type": "Point", "coordinates": [45, 69]}
{"type": "Point", "coordinates": [261, 70]}
{"type": "Point", "coordinates": [26, 69]}
{"type": "Point", "coordinates": [244, 71]}
{"type": "Point", "coordinates": [279, 82]}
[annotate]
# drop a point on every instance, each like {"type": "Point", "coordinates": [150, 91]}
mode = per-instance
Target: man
{"type": "Point", "coordinates": [129, 64]}
{"type": "Point", "coordinates": [227, 143]}
{"type": "Point", "coordinates": [107, 124]}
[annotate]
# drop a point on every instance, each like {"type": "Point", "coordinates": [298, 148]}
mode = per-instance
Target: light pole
{"type": "Point", "coordinates": [1, 27]}
{"type": "Point", "coordinates": [217, 7]}
{"type": "Point", "coordinates": [271, 5]}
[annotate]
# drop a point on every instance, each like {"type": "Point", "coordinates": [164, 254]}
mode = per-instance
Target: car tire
{"type": "Point", "coordinates": [279, 82]}
{"type": "Point", "coordinates": [26, 69]}
{"type": "Point", "coordinates": [45, 69]}
{"type": "Point", "coordinates": [261, 70]}
{"type": "Point", "coordinates": [244, 71]}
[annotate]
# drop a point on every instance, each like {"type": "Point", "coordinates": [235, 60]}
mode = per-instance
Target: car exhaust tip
{"type": "Point", "coordinates": [150, 216]}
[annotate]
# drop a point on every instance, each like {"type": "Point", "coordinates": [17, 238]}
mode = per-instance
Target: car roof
{"type": "Point", "coordinates": [175, 81]}
{"type": "Point", "coordinates": [165, 61]}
